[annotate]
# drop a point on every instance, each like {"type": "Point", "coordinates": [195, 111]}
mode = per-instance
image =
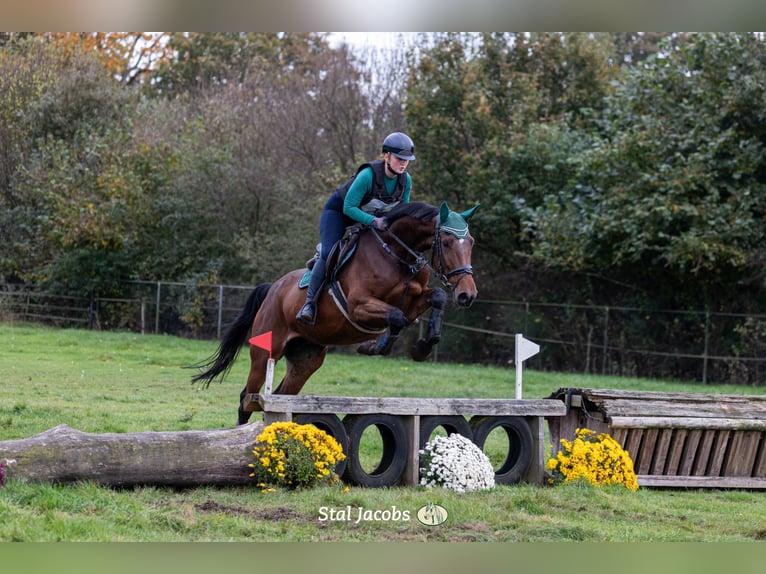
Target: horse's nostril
{"type": "Point", "coordinates": [464, 300]}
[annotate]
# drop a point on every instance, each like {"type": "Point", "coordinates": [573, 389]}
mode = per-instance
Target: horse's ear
{"type": "Point", "coordinates": [467, 214]}
{"type": "Point", "coordinates": [443, 213]}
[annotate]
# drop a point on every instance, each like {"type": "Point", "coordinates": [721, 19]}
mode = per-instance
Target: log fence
{"type": "Point", "coordinates": [675, 439]}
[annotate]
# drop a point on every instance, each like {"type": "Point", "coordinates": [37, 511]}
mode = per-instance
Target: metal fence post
{"type": "Point", "coordinates": [705, 351]}
{"type": "Point", "coordinates": [606, 340]}
{"type": "Point", "coordinates": [157, 311]}
{"type": "Point", "coordinates": [220, 309]}
{"type": "Point", "coordinates": [526, 317]}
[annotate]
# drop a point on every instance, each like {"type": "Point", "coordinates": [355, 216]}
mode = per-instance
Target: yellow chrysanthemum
{"type": "Point", "coordinates": [293, 455]}
{"type": "Point", "coordinates": [599, 459]}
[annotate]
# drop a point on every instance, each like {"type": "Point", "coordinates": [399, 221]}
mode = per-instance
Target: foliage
{"type": "Point", "coordinates": [295, 456]}
{"type": "Point", "coordinates": [455, 463]}
{"type": "Point", "coordinates": [128, 55]}
{"type": "Point", "coordinates": [675, 185]}
{"type": "Point", "coordinates": [625, 169]}
{"type": "Point", "coordinates": [2, 473]}
{"type": "Point", "coordinates": [205, 60]}
{"type": "Point", "coordinates": [102, 182]}
{"type": "Point", "coordinates": [599, 459]}
{"type": "Point", "coordinates": [472, 101]}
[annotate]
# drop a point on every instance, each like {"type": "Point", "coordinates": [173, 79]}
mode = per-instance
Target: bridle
{"type": "Point", "coordinates": [461, 270]}
{"type": "Point", "coordinates": [421, 262]}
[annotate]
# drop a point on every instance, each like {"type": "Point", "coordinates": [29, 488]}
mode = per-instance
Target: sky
{"type": "Point", "coordinates": [384, 40]}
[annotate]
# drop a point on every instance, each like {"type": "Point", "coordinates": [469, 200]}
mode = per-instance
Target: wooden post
{"type": "Point", "coordinates": [536, 472]}
{"type": "Point", "coordinates": [411, 475]}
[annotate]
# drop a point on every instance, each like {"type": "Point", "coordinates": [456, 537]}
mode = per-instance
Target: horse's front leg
{"type": "Point", "coordinates": [422, 349]}
{"type": "Point", "coordinates": [396, 321]}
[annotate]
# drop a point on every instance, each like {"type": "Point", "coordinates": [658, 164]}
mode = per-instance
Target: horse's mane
{"type": "Point", "coordinates": [415, 209]}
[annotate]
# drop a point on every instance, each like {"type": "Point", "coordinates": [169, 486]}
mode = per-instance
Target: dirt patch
{"type": "Point", "coordinates": [279, 513]}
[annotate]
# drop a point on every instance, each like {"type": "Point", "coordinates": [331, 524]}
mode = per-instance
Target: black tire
{"type": "Point", "coordinates": [393, 459]}
{"type": "Point", "coordinates": [450, 423]}
{"type": "Point", "coordinates": [333, 426]}
{"type": "Point", "coordinates": [520, 446]}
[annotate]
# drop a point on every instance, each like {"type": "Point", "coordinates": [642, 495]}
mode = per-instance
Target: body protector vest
{"type": "Point", "coordinates": [377, 200]}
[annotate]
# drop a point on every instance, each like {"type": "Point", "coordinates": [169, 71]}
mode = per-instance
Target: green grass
{"type": "Point", "coordinates": [124, 382]}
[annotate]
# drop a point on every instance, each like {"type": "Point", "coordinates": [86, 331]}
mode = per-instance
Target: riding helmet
{"type": "Point", "coordinates": [400, 145]}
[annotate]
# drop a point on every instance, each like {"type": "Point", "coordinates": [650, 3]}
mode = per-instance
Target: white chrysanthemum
{"type": "Point", "coordinates": [455, 463]}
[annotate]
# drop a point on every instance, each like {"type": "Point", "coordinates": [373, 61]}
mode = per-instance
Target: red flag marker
{"type": "Point", "coordinates": [262, 342]}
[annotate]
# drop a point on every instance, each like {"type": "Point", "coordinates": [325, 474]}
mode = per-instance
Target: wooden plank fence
{"type": "Point", "coordinates": [283, 407]}
{"type": "Point", "coordinates": [675, 439]}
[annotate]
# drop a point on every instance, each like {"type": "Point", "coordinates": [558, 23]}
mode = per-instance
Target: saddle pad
{"type": "Point", "coordinates": [304, 282]}
{"type": "Point", "coordinates": [346, 258]}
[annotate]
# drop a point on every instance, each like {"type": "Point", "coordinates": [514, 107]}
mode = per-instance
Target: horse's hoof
{"type": "Point", "coordinates": [420, 351]}
{"type": "Point", "coordinates": [367, 348]}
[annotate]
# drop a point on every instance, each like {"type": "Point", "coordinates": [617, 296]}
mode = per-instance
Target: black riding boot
{"type": "Point", "coordinates": [308, 312]}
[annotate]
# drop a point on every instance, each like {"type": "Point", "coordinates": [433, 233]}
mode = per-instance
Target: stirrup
{"type": "Point", "coordinates": [308, 313]}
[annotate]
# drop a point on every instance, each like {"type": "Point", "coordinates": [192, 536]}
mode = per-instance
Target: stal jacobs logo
{"type": "Point", "coordinates": [430, 514]}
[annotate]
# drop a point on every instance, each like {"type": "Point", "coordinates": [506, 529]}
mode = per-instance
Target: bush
{"type": "Point", "coordinates": [598, 459]}
{"type": "Point", "coordinates": [294, 456]}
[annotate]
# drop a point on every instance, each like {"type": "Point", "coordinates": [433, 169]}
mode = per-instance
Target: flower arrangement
{"type": "Point", "coordinates": [597, 458]}
{"type": "Point", "coordinates": [292, 455]}
{"type": "Point", "coordinates": [455, 463]}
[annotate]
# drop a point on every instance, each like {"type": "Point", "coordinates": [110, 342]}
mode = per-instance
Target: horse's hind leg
{"type": "Point", "coordinates": [255, 380]}
{"type": "Point", "coordinates": [302, 359]}
{"type": "Point", "coordinates": [421, 350]}
{"type": "Point", "coordinates": [242, 415]}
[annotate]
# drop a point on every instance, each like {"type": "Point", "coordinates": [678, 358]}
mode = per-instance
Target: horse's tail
{"type": "Point", "coordinates": [236, 335]}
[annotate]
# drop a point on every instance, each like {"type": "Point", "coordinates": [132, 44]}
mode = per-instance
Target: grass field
{"type": "Point", "coordinates": [124, 382]}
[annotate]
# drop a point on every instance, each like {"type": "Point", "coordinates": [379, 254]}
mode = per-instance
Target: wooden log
{"type": "Point", "coordinates": [616, 403]}
{"type": "Point", "coordinates": [688, 422]}
{"type": "Point", "coordinates": [702, 481]}
{"type": "Point", "coordinates": [179, 458]}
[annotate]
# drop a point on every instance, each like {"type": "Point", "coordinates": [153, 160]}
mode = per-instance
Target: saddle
{"type": "Point", "coordinates": [340, 254]}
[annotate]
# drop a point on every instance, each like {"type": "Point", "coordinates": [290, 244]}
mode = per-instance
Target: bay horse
{"type": "Point", "coordinates": [379, 290]}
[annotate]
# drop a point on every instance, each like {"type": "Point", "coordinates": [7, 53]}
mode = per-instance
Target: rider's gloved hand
{"type": "Point", "coordinates": [380, 223]}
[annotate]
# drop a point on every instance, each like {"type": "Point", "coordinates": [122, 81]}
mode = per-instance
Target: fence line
{"type": "Point", "coordinates": [582, 338]}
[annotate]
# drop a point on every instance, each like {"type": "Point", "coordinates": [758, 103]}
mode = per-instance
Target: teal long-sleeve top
{"type": "Point", "coordinates": [361, 186]}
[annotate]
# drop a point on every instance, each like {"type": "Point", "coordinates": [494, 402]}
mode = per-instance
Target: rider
{"type": "Point", "coordinates": [375, 188]}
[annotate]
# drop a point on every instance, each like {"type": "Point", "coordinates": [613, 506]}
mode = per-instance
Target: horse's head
{"type": "Point", "coordinates": [420, 226]}
{"type": "Point", "coordinates": [452, 254]}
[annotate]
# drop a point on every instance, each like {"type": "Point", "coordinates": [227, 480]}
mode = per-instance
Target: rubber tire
{"type": "Point", "coordinates": [332, 425]}
{"type": "Point", "coordinates": [393, 459]}
{"type": "Point", "coordinates": [520, 445]}
{"type": "Point", "coordinates": [450, 423]}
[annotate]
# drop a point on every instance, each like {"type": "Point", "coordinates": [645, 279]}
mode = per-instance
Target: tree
{"type": "Point", "coordinates": [64, 181]}
{"type": "Point", "coordinates": [672, 199]}
{"type": "Point", "coordinates": [201, 60]}
{"type": "Point", "coordinates": [498, 118]}
{"type": "Point", "coordinates": [130, 56]}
